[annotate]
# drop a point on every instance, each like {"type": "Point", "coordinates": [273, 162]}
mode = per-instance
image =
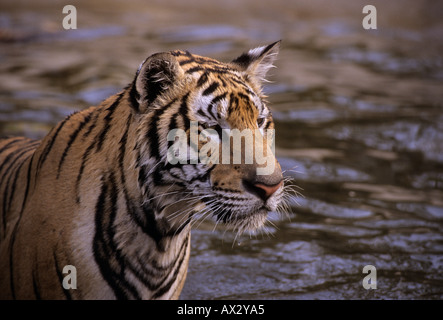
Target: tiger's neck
{"type": "Point", "coordinates": [139, 252]}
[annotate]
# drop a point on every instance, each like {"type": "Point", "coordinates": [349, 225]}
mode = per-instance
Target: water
{"type": "Point", "coordinates": [359, 124]}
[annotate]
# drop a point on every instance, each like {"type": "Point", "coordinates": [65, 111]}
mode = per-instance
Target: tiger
{"type": "Point", "coordinates": [99, 194]}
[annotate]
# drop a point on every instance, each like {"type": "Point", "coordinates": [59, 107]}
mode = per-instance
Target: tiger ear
{"type": "Point", "coordinates": [156, 75]}
{"type": "Point", "coordinates": [257, 62]}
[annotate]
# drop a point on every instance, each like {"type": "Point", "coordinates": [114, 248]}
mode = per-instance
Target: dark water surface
{"type": "Point", "coordinates": [359, 129]}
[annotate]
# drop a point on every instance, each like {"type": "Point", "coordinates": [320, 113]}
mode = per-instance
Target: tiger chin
{"type": "Point", "coordinates": [98, 192]}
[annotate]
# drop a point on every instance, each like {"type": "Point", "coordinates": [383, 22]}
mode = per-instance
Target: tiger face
{"type": "Point", "coordinates": [224, 163]}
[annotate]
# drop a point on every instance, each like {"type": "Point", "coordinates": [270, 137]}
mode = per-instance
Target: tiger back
{"type": "Point", "coordinates": [100, 193]}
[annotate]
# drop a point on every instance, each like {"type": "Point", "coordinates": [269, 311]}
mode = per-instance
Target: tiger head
{"type": "Point", "coordinates": [188, 157]}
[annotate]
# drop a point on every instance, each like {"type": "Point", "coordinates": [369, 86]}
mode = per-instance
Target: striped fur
{"type": "Point", "coordinates": [98, 193]}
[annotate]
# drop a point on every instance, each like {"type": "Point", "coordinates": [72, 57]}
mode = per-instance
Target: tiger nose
{"type": "Point", "coordinates": [265, 191]}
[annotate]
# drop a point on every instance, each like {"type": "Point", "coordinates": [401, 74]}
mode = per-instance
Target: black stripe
{"type": "Point", "coordinates": [9, 158]}
{"type": "Point", "coordinates": [121, 164]}
{"type": "Point", "coordinates": [10, 143]}
{"type": "Point", "coordinates": [269, 123]}
{"type": "Point", "coordinates": [152, 133]}
{"type": "Point", "coordinates": [132, 209]}
{"type": "Point", "coordinates": [11, 171]}
{"type": "Point", "coordinates": [239, 81]}
{"type": "Point", "coordinates": [119, 277]}
{"type": "Point", "coordinates": [85, 158]}
{"type": "Point", "coordinates": [60, 277]}
{"type": "Point", "coordinates": [194, 69]}
{"type": "Point", "coordinates": [234, 105]}
{"type": "Point", "coordinates": [14, 232]}
{"type": "Point", "coordinates": [202, 113]}
{"type": "Point", "coordinates": [218, 98]}
{"type": "Point", "coordinates": [214, 69]}
{"type": "Point", "coordinates": [173, 279]}
{"type": "Point", "coordinates": [153, 229]}
{"type": "Point", "coordinates": [204, 60]}
{"type": "Point", "coordinates": [6, 161]}
{"type": "Point", "coordinates": [235, 81]}
{"type": "Point", "coordinates": [100, 250]}
{"type": "Point", "coordinates": [107, 120]}
{"type": "Point", "coordinates": [213, 104]}
{"type": "Point", "coordinates": [97, 142]}
{"type": "Point", "coordinates": [172, 126]}
{"type": "Point", "coordinates": [106, 253]}
{"type": "Point", "coordinates": [177, 53]}
{"type": "Point", "coordinates": [72, 138]}
{"type": "Point", "coordinates": [14, 157]}
{"type": "Point", "coordinates": [134, 96]}
{"type": "Point", "coordinates": [122, 150]}
{"type": "Point", "coordinates": [92, 125]}
{"type": "Point", "coordinates": [183, 62]}
{"type": "Point", "coordinates": [11, 196]}
{"type": "Point", "coordinates": [183, 111]}
{"type": "Point", "coordinates": [211, 89]}
{"type": "Point", "coordinates": [243, 96]}
{"type": "Point", "coordinates": [211, 111]}
{"type": "Point", "coordinates": [202, 80]}
{"type": "Point", "coordinates": [49, 145]}
{"type": "Point", "coordinates": [223, 82]}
